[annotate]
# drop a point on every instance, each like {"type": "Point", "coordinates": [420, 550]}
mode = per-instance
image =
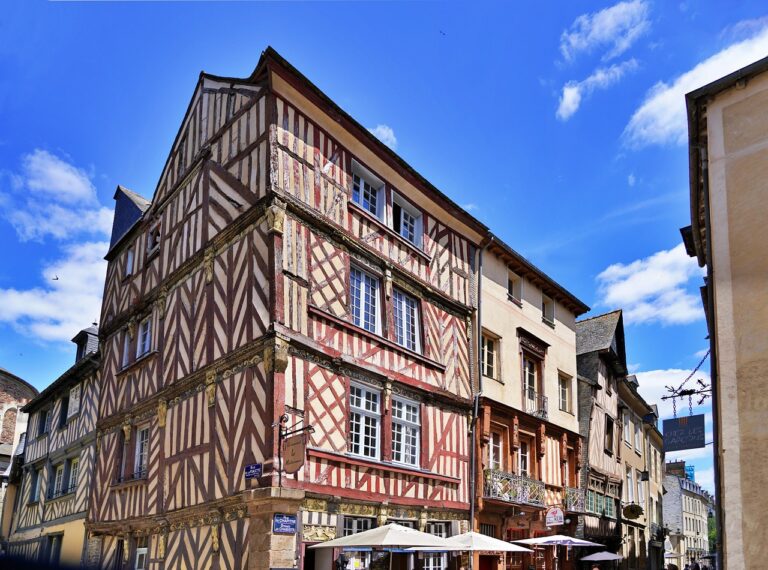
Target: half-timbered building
{"type": "Point", "coordinates": [53, 485]}
{"type": "Point", "coordinates": [529, 446]}
{"type": "Point", "coordinates": [291, 272]}
{"type": "Point", "coordinates": [602, 365]}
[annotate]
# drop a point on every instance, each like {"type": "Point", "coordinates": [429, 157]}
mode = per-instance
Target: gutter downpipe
{"type": "Point", "coordinates": [476, 397]}
{"type": "Point", "coordinates": [704, 157]}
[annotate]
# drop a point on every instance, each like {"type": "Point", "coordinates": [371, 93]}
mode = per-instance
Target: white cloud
{"type": "Point", "coordinates": [386, 135]}
{"type": "Point", "coordinates": [575, 91]}
{"type": "Point", "coordinates": [706, 478]}
{"type": "Point", "coordinates": [653, 289]}
{"type": "Point", "coordinates": [470, 207]}
{"type": "Point", "coordinates": [661, 118]}
{"type": "Point", "coordinates": [51, 197]}
{"type": "Point", "coordinates": [615, 28]}
{"type": "Point", "coordinates": [60, 308]}
{"type": "Point", "coordinates": [631, 180]}
{"type": "Point", "coordinates": [701, 353]}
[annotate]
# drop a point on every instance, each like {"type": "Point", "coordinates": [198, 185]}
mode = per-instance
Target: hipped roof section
{"type": "Point", "coordinates": [272, 61]}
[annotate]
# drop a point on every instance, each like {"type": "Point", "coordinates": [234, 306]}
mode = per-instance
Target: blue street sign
{"type": "Point", "coordinates": [284, 524]}
{"type": "Point", "coordinates": [684, 433]}
{"type": "Point", "coordinates": [253, 471]}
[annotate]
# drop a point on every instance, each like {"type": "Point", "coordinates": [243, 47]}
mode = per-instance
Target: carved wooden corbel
{"type": "Point", "coordinates": [267, 359]}
{"type": "Point", "coordinates": [162, 540]}
{"type": "Point", "coordinates": [127, 429]}
{"type": "Point", "coordinates": [210, 387]}
{"type": "Point", "coordinates": [388, 283]}
{"type": "Point", "coordinates": [423, 521]}
{"type": "Point", "coordinates": [161, 302]}
{"type": "Point", "coordinates": [132, 327]}
{"type": "Point", "coordinates": [215, 538]}
{"type": "Point", "coordinates": [162, 411]}
{"type": "Point", "coordinates": [382, 515]}
{"type": "Point", "coordinates": [126, 547]}
{"type": "Point", "coordinates": [276, 217]}
{"type": "Point", "coordinates": [280, 354]}
{"type": "Point", "coordinates": [208, 258]}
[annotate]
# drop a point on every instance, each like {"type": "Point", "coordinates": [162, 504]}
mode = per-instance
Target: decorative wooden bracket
{"type": "Point", "coordinates": [162, 411]}
{"type": "Point", "coordinates": [276, 355]}
{"type": "Point", "coordinates": [208, 258]}
{"type": "Point", "coordinates": [210, 387]}
{"type": "Point", "coordinates": [388, 282]}
{"type": "Point", "coordinates": [276, 217]}
{"type": "Point", "coordinates": [132, 327]}
{"type": "Point", "coordinates": [215, 537]}
{"type": "Point", "coordinates": [161, 301]}
{"type": "Point", "coordinates": [382, 516]}
{"type": "Point", "coordinates": [162, 540]}
{"type": "Point", "coordinates": [127, 429]}
{"type": "Point", "coordinates": [423, 521]}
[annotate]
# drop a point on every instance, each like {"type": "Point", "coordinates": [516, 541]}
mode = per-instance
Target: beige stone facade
{"type": "Point", "coordinates": [728, 124]}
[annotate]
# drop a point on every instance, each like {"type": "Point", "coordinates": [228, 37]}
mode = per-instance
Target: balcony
{"type": "Point", "coordinates": [535, 404]}
{"type": "Point", "coordinates": [513, 488]}
{"type": "Point", "coordinates": [139, 475]}
{"type": "Point", "coordinates": [574, 500]}
{"type": "Point", "coordinates": [56, 493]}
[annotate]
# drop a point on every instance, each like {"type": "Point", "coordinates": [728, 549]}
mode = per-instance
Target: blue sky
{"type": "Point", "coordinates": [560, 125]}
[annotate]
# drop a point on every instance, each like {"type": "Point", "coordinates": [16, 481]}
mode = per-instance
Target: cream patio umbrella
{"type": "Point", "coordinates": [388, 536]}
{"type": "Point", "coordinates": [476, 542]}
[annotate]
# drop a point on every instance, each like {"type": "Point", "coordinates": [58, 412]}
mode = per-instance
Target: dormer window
{"type": "Point", "coordinates": [153, 239]}
{"type": "Point", "coordinates": [406, 220]}
{"type": "Point", "coordinates": [367, 191]}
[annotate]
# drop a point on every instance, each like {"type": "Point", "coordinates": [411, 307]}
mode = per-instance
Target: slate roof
{"type": "Point", "coordinates": [141, 202]}
{"type": "Point", "coordinates": [596, 333]}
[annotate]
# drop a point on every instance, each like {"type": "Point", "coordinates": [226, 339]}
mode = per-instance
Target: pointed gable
{"type": "Point", "coordinates": [129, 207]}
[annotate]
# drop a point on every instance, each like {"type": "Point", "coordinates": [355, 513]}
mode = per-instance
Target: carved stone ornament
{"type": "Point", "coordinates": [315, 505]}
{"type": "Point", "coordinates": [388, 283]}
{"type": "Point", "coordinates": [162, 411]}
{"type": "Point", "coordinates": [276, 217]}
{"type": "Point", "coordinates": [317, 532]}
{"type": "Point", "coordinates": [132, 327]}
{"type": "Point", "coordinates": [267, 359]}
{"type": "Point", "coordinates": [215, 538]}
{"type": "Point", "coordinates": [281, 354]}
{"type": "Point", "coordinates": [210, 387]}
{"type": "Point", "coordinates": [161, 302]}
{"type": "Point", "coordinates": [382, 516]}
{"type": "Point", "coordinates": [423, 521]}
{"type": "Point", "coordinates": [210, 254]}
{"type": "Point", "coordinates": [531, 343]}
{"type": "Point", "coordinates": [126, 549]}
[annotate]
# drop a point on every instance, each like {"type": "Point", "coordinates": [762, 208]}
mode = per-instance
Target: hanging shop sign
{"type": "Point", "coordinates": [555, 516]}
{"type": "Point", "coordinates": [294, 451]}
{"type": "Point", "coordinates": [684, 433]}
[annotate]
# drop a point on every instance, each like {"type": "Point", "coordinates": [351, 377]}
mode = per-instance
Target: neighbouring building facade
{"type": "Point", "coordinates": [14, 395]}
{"type": "Point", "coordinates": [529, 445]}
{"type": "Point", "coordinates": [602, 365]}
{"type": "Point", "coordinates": [52, 487]}
{"type": "Point", "coordinates": [728, 160]}
{"type": "Point", "coordinates": [289, 271]}
{"type": "Point", "coordinates": [638, 451]}
{"type": "Point", "coordinates": [686, 512]}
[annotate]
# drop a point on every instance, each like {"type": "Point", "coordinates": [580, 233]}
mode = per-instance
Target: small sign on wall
{"type": "Point", "coordinates": [684, 433]}
{"type": "Point", "coordinates": [253, 471]}
{"type": "Point", "coordinates": [555, 516]}
{"type": "Point", "coordinates": [283, 524]}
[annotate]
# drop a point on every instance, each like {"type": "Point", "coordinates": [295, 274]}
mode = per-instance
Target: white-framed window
{"type": "Point", "coordinates": [524, 459]}
{"type": "Point", "coordinates": [367, 191]}
{"type": "Point", "coordinates": [565, 392]}
{"type": "Point", "coordinates": [353, 525]}
{"type": "Point", "coordinates": [490, 359]}
{"type": "Point", "coordinates": [141, 458]}
{"type": "Point", "coordinates": [406, 317]}
{"type": "Point", "coordinates": [547, 310]}
{"type": "Point", "coordinates": [640, 489]}
{"type": "Point", "coordinates": [144, 343]}
{"type": "Point", "coordinates": [495, 451]}
{"type": "Point", "coordinates": [74, 401]}
{"type": "Point", "coordinates": [406, 431]}
{"type": "Point", "coordinates": [126, 360]}
{"type": "Point", "coordinates": [34, 485]}
{"type": "Point", "coordinates": [58, 479]}
{"type": "Point", "coordinates": [364, 300]}
{"type": "Point", "coordinates": [514, 286]}
{"type": "Point", "coordinates": [129, 258]}
{"type": "Point", "coordinates": [74, 472]}
{"type": "Point", "coordinates": [627, 428]}
{"type": "Point", "coordinates": [435, 561]}
{"type": "Point", "coordinates": [364, 421]}
{"type": "Point", "coordinates": [529, 377]}
{"type": "Point", "coordinates": [638, 436]}
{"type": "Point", "coordinates": [406, 220]}
{"type": "Point", "coordinates": [610, 507]}
{"type": "Point", "coordinates": [141, 553]}
{"type": "Point", "coordinates": [630, 485]}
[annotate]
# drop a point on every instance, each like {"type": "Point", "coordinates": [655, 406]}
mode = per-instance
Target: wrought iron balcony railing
{"type": "Point", "coordinates": [574, 500]}
{"type": "Point", "coordinates": [140, 474]}
{"type": "Point", "coordinates": [535, 404]}
{"type": "Point", "coordinates": [513, 488]}
{"type": "Point", "coordinates": [56, 493]}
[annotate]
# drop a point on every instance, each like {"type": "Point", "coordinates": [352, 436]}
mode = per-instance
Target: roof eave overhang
{"type": "Point", "coordinates": [85, 365]}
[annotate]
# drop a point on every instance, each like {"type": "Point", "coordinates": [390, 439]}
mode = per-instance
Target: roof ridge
{"type": "Point", "coordinates": [598, 316]}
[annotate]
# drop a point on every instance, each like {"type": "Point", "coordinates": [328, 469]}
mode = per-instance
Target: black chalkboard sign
{"type": "Point", "coordinates": [684, 433]}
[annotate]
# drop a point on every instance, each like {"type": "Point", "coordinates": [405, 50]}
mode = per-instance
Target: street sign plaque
{"type": "Point", "coordinates": [283, 524]}
{"type": "Point", "coordinates": [253, 471]}
{"type": "Point", "coordinates": [684, 433]}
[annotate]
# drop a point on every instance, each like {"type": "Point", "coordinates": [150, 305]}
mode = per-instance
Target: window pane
{"type": "Point", "coordinates": [364, 292]}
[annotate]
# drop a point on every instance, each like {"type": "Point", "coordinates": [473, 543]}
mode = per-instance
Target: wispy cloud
{"type": "Point", "coordinates": [470, 207]}
{"type": "Point", "coordinates": [661, 118]}
{"type": "Point", "coordinates": [653, 289]}
{"type": "Point", "coordinates": [614, 29]}
{"type": "Point", "coordinates": [574, 92]}
{"type": "Point", "coordinates": [49, 196]}
{"type": "Point", "coordinates": [631, 180]}
{"type": "Point", "coordinates": [386, 135]}
{"type": "Point", "coordinates": [58, 309]}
